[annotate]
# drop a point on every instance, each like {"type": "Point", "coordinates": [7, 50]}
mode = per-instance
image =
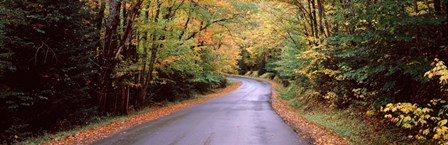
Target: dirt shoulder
{"type": "Point", "coordinates": [92, 134]}
{"type": "Point", "coordinates": [304, 127]}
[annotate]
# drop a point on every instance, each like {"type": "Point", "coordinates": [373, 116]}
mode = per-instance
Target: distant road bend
{"type": "Point", "coordinates": [241, 117]}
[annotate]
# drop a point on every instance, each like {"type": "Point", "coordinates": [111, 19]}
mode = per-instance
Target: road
{"type": "Point", "coordinates": [241, 117]}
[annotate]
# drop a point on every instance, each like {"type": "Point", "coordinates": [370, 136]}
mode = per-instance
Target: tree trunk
{"type": "Point", "coordinates": [99, 20]}
{"type": "Point", "coordinates": [313, 4]}
{"type": "Point", "coordinates": [142, 76]}
{"type": "Point", "coordinates": [128, 31]}
{"type": "Point", "coordinates": [321, 17]}
{"type": "Point", "coordinates": [427, 5]}
{"type": "Point", "coordinates": [185, 27]}
{"type": "Point", "coordinates": [124, 19]}
{"type": "Point", "coordinates": [126, 101]}
{"type": "Point", "coordinates": [446, 9]}
{"type": "Point", "coordinates": [415, 6]}
{"type": "Point", "coordinates": [445, 3]}
{"type": "Point", "coordinates": [310, 16]}
{"type": "Point", "coordinates": [106, 61]}
{"type": "Point", "coordinates": [437, 7]}
{"type": "Point", "coordinates": [146, 79]}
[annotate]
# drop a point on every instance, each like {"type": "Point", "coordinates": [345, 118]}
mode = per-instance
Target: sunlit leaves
{"type": "Point", "coordinates": [439, 70]}
{"type": "Point", "coordinates": [377, 52]}
{"type": "Point", "coordinates": [429, 123]}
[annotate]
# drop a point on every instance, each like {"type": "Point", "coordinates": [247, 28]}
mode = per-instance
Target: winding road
{"type": "Point", "coordinates": [241, 117]}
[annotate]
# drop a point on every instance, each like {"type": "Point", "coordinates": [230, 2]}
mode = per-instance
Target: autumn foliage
{"type": "Point", "coordinates": [65, 64]}
{"type": "Point", "coordinates": [383, 59]}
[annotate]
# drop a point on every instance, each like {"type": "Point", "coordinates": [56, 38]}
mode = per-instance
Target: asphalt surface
{"type": "Point", "coordinates": [241, 117]}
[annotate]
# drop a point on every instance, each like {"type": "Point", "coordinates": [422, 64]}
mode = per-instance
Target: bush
{"type": "Point", "coordinates": [267, 76]}
{"type": "Point", "coordinates": [427, 120]}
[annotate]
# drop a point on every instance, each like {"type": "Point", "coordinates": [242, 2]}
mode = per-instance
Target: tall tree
{"type": "Point", "coordinates": [47, 47]}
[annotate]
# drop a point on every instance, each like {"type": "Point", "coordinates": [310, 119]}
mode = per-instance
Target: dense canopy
{"type": "Point", "coordinates": [68, 63]}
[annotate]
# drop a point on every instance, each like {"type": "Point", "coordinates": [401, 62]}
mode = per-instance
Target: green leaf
{"type": "Point", "coordinates": [40, 31]}
{"type": "Point", "coordinates": [6, 54]}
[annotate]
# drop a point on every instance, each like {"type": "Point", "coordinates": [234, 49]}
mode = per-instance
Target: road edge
{"type": "Point", "coordinates": [96, 133]}
{"type": "Point", "coordinates": [304, 128]}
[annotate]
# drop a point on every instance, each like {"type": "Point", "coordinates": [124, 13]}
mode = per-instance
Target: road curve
{"type": "Point", "coordinates": [241, 117]}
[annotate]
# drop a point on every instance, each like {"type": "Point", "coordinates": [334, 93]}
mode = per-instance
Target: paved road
{"type": "Point", "coordinates": [242, 117]}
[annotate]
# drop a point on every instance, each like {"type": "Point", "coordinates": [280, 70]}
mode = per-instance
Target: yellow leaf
{"type": "Point", "coordinates": [426, 110]}
{"type": "Point", "coordinates": [407, 118]}
{"type": "Point", "coordinates": [426, 132]}
{"type": "Point", "coordinates": [407, 125]}
{"type": "Point", "coordinates": [443, 122]}
{"type": "Point", "coordinates": [436, 136]}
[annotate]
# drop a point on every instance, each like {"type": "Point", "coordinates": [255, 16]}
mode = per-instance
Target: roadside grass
{"type": "Point", "coordinates": [351, 123]}
{"type": "Point", "coordinates": [335, 120]}
{"type": "Point", "coordinates": [231, 82]}
{"type": "Point", "coordinates": [100, 121]}
{"type": "Point", "coordinates": [62, 134]}
{"type": "Point", "coordinates": [353, 129]}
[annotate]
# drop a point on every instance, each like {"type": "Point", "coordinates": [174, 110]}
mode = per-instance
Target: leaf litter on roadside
{"type": "Point", "coordinates": [303, 127]}
{"type": "Point", "coordinates": [99, 132]}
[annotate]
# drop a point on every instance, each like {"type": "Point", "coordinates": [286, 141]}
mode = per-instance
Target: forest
{"type": "Point", "coordinates": [65, 64]}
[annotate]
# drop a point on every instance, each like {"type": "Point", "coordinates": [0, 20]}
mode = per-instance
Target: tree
{"type": "Point", "coordinates": [367, 54]}
{"type": "Point", "coordinates": [45, 46]}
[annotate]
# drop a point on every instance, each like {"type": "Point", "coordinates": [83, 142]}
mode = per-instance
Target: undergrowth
{"type": "Point", "coordinates": [357, 126]}
{"type": "Point", "coordinates": [100, 121]}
